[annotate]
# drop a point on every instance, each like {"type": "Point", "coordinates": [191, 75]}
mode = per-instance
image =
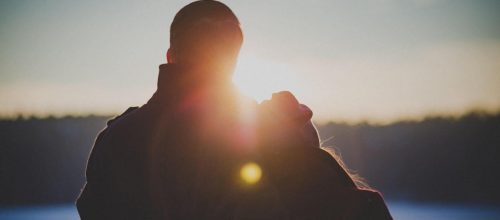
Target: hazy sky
{"type": "Point", "coordinates": [350, 60]}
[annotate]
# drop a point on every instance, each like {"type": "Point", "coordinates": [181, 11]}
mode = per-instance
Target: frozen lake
{"type": "Point", "coordinates": [399, 210]}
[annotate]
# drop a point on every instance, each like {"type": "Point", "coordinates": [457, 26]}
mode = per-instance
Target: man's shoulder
{"type": "Point", "coordinates": [113, 125]}
{"type": "Point", "coordinates": [127, 112]}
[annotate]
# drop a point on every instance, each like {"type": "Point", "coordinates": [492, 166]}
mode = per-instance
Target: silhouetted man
{"type": "Point", "coordinates": [143, 165]}
{"type": "Point", "coordinates": [179, 156]}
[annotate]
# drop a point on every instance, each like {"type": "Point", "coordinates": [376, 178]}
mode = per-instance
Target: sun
{"type": "Point", "coordinates": [258, 78]}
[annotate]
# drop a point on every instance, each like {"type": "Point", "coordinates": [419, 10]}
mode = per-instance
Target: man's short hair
{"type": "Point", "coordinates": [202, 23]}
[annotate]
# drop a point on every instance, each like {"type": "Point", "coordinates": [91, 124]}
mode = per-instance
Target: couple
{"type": "Point", "coordinates": [199, 150]}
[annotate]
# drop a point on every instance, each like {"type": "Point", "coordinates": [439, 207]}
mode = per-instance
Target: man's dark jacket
{"type": "Point", "coordinates": [179, 156]}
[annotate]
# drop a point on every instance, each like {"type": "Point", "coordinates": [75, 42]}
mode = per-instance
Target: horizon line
{"type": "Point", "coordinates": [368, 121]}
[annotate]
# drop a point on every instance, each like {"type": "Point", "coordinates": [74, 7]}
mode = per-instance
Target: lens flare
{"type": "Point", "coordinates": [251, 173]}
{"type": "Point", "coordinates": [260, 78]}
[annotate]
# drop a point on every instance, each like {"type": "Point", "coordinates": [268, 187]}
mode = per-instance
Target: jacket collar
{"type": "Point", "coordinates": [176, 81]}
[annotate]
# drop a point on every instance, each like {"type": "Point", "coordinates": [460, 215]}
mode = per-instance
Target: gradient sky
{"type": "Point", "coordinates": [378, 60]}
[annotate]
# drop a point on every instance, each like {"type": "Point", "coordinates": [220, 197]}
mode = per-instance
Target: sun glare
{"type": "Point", "coordinates": [258, 78]}
{"type": "Point", "coordinates": [251, 173]}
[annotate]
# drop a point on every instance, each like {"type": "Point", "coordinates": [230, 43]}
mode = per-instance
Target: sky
{"type": "Point", "coordinates": [375, 60]}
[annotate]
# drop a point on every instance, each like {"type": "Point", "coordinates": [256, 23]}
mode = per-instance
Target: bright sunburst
{"type": "Point", "coordinates": [258, 78]}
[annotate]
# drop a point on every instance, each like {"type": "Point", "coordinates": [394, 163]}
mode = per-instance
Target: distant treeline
{"type": "Point", "coordinates": [437, 159]}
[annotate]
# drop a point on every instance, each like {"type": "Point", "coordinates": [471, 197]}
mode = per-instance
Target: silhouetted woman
{"type": "Point", "coordinates": [311, 182]}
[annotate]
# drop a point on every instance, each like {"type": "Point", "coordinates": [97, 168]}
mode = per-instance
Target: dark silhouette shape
{"type": "Point", "coordinates": [179, 155]}
{"type": "Point", "coordinates": [42, 160]}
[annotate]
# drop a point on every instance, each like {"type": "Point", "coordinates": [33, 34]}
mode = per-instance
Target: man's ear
{"type": "Point", "coordinates": [169, 56]}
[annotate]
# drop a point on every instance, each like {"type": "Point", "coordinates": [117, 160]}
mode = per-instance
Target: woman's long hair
{"type": "Point", "coordinates": [356, 178]}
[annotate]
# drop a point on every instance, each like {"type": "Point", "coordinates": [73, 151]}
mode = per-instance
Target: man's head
{"type": "Point", "coordinates": [205, 34]}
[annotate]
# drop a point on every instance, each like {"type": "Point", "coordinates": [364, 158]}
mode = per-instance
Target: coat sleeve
{"type": "Point", "coordinates": [96, 199]}
{"type": "Point", "coordinates": [92, 198]}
